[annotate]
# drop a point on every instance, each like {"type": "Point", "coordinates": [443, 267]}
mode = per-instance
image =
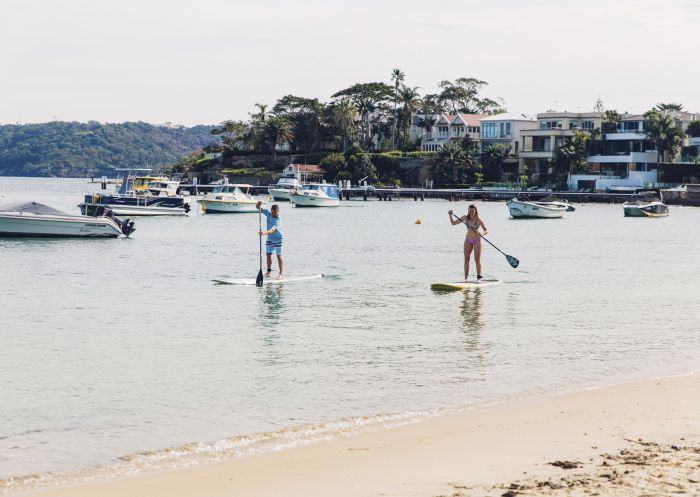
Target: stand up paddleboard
{"type": "Point", "coordinates": [266, 281]}
{"type": "Point", "coordinates": [463, 285]}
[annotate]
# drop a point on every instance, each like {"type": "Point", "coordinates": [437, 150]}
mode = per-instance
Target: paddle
{"type": "Point", "coordinates": [259, 279]}
{"type": "Point", "coordinates": [511, 260]}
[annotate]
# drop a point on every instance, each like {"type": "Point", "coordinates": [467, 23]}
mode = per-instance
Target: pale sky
{"type": "Point", "coordinates": [204, 61]}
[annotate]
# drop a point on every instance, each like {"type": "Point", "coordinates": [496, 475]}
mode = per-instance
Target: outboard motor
{"type": "Point", "coordinates": [126, 226]}
{"type": "Point", "coordinates": [187, 207]}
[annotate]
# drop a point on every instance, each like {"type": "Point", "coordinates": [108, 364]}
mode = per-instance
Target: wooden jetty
{"type": "Point", "coordinates": [484, 195]}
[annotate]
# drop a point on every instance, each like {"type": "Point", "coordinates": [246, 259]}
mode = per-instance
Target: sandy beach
{"type": "Point", "coordinates": [640, 438]}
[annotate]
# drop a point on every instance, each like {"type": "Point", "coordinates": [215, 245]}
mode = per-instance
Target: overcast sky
{"type": "Point", "coordinates": [204, 61]}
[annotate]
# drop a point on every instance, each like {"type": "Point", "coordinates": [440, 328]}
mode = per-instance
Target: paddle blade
{"type": "Point", "coordinates": [259, 279]}
{"type": "Point", "coordinates": [512, 261]}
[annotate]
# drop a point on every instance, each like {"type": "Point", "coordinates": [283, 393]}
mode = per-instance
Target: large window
{"type": "Point", "coordinates": [504, 129]}
{"type": "Point", "coordinates": [588, 125]}
{"type": "Point", "coordinates": [555, 124]}
{"type": "Point", "coordinates": [573, 124]}
{"type": "Point", "coordinates": [489, 130]}
{"type": "Point", "coordinates": [629, 126]}
{"type": "Point", "coordinates": [457, 129]}
{"type": "Point", "coordinates": [442, 130]}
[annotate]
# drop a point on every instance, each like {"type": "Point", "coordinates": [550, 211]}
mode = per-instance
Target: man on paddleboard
{"type": "Point", "coordinates": [273, 245]}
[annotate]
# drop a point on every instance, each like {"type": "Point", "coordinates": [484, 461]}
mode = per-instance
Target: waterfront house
{"type": "Point", "coordinates": [447, 127]}
{"type": "Point", "coordinates": [504, 129]}
{"type": "Point", "coordinates": [304, 172]}
{"type": "Point", "coordinates": [625, 157]}
{"type": "Point", "coordinates": [539, 145]}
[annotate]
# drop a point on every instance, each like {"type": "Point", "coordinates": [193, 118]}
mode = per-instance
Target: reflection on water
{"type": "Point", "coordinates": [471, 309]}
{"type": "Point", "coordinates": [272, 299]}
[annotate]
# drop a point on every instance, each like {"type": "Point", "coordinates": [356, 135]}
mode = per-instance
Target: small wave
{"type": "Point", "coordinates": [197, 453]}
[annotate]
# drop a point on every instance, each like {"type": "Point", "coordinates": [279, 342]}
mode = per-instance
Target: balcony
{"type": "Point", "coordinates": [624, 157]}
{"type": "Point", "coordinates": [626, 135]}
{"type": "Point", "coordinates": [536, 154]}
{"type": "Point", "coordinates": [547, 132]}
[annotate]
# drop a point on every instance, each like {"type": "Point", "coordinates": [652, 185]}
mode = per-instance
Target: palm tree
{"type": "Point", "coordinates": [429, 108]}
{"type": "Point", "coordinates": [410, 100]}
{"type": "Point", "coordinates": [276, 130]}
{"type": "Point", "coordinates": [262, 113]}
{"type": "Point", "coordinates": [492, 158]}
{"type": "Point", "coordinates": [397, 76]}
{"type": "Point", "coordinates": [345, 116]}
{"type": "Point", "coordinates": [666, 132]}
{"type": "Point", "coordinates": [611, 121]}
{"type": "Point", "coordinates": [427, 122]}
{"type": "Point", "coordinates": [670, 106]}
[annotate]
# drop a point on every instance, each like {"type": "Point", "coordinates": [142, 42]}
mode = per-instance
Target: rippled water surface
{"type": "Point", "coordinates": [116, 347]}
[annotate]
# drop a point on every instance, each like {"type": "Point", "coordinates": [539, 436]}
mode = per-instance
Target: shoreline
{"type": "Point", "coordinates": [453, 454]}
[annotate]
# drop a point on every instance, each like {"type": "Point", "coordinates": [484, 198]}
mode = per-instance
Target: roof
{"type": "Point", "coordinates": [309, 168]}
{"type": "Point", "coordinates": [469, 119]}
{"type": "Point", "coordinates": [510, 116]}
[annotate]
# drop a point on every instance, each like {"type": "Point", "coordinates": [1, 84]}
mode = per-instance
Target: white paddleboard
{"type": "Point", "coordinates": [462, 285]}
{"type": "Point", "coordinates": [267, 281]}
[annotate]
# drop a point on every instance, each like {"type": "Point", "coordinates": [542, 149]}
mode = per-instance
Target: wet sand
{"type": "Point", "coordinates": [639, 438]}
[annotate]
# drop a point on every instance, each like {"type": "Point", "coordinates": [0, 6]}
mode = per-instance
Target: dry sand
{"type": "Point", "coordinates": [637, 439]}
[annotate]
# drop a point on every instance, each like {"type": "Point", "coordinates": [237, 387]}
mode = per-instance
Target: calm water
{"type": "Point", "coordinates": [113, 348]}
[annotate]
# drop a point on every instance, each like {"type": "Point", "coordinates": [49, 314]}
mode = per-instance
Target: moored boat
{"type": "Point", "coordinates": [284, 188]}
{"type": "Point", "coordinates": [229, 198]}
{"type": "Point", "coordinates": [521, 209]}
{"type": "Point", "coordinates": [133, 198]}
{"type": "Point", "coordinates": [317, 195]}
{"type": "Point", "coordinates": [645, 208]}
{"type": "Point", "coordinates": [646, 203]}
{"type": "Point", "coordinates": [32, 219]}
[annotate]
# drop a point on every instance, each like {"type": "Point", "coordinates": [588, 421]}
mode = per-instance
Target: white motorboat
{"type": "Point", "coordinates": [317, 195]}
{"type": "Point", "coordinates": [34, 219]}
{"type": "Point", "coordinates": [226, 198]}
{"type": "Point", "coordinates": [645, 208]}
{"type": "Point", "coordinates": [646, 203]}
{"type": "Point", "coordinates": [284, 188]}
{"type": "Point", "coordinates": [521, 209]}
{"type": "Point", "coordinates": [163, 188]}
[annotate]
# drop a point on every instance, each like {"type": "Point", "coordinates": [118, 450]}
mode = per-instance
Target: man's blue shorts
{"type": "Point", "coordinates": [273, 247]}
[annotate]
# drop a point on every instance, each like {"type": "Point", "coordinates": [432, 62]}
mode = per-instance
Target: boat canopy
{"type": "Point", "coordinates": [33, 208]}
{"type": "Point", "coordinates": [231, 188]}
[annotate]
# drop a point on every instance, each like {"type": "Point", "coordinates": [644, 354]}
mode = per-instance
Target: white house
{"type": "Point", "coordinates": [505, 129]}
{"type": "Point", "coordinates": [447, 127]}
{"type": "Point", "coordinates": [538, 145]}
{"type": "Point", "coordinates": [626, 157]}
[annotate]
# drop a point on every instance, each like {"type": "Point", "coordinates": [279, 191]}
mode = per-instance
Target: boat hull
{"type": "Point", "coordinates": [280, 194]}
{"type": "Point", "coordinates": [314, 201]}
{"type": "Point", "coordinates": [136, 206]}
{"type": "Point", "coordinates": [531, 210]}
{"type": "Point", "coordinates": [655, 210]}
{"type": "Point", "coordinates": [30, 225]}
{"type": "Point", "coordinates": [226, 207]}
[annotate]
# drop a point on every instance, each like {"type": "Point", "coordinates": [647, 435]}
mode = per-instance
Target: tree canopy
{"type": "Point", "coordinates": [93, 149]}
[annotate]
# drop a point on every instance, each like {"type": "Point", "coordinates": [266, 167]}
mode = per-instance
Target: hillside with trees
{"type": "Point", "coordinates": [72, 149]}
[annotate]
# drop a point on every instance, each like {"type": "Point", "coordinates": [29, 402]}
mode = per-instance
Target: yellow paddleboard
{"type": "Point", "coordinates": [463, 285]}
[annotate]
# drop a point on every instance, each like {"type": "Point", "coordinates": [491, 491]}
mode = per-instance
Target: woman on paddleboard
{"type": "Point", "coordinates": [473, 241]}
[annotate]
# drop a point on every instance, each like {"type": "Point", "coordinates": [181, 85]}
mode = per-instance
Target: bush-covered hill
{"type": "Point", "coordinates": [93, 149]}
